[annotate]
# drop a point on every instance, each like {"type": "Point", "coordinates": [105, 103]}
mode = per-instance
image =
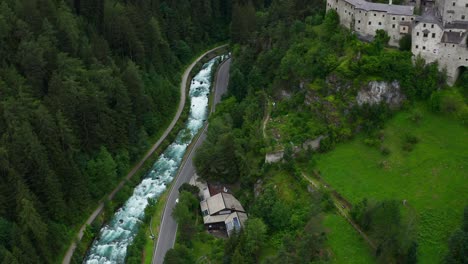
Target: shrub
{"type": "Point", "coordinates": [385, 151]}
{"type": "Point", "coordinates": [416, 116]}
{"type": "Point", "coordinates": [405, 42]}
{"type": "Point", "coordinates": [409, 141]}
{"type": "Point", "coordinates": [372, 142]}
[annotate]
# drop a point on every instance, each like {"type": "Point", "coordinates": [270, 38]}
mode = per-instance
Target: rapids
{"type": "Point", "coordinates": [119, 232]}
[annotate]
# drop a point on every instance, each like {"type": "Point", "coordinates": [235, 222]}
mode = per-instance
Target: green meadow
{"type": "Point", "coordinates": [345, 243]}
{"type": "Point", "coordinates": [432, 177]}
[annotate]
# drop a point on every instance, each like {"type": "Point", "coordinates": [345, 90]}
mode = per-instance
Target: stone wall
{"type": "Point", "coordinates": [366, 23]}
{"type": "Point", "coordinates": [426, 42]}
{"type": "Point", "coordinates": [427, 37]}
{"type": "Point", "coordinates": [454, 10]}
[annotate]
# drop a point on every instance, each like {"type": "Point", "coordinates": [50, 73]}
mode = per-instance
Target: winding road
{"type": "Point", "coordinates": [98, 210]}
{"type": "Point", "coordinates": [168, 227]}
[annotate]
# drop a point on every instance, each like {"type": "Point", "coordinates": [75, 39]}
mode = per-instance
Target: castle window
{"type": "Point", "coordinates": [425, 35]}
{"type": "Point", "coordinates": [403, 19]}
{"type": "Point", "coordinates": [359, 21]}
{"type": "Point", "coordinates": [417, 46]}
{"type": "Point", "coordinates": [453, 4]}
{"type": "Point", "coordinates": [412, 18]}
{"type": "Point", "coordinates": [394, 18]}
{"type": "Point", "coordinates": [424, 25]}
{"type": "Point", "coordinates": [370, 22]}
{"type": "Point", "coordinates": [453, 46]}
{"type": "Point", "coordinates": [383, 15]}
{"type": "Point", "coordinates": [433, 35]}
{"type": "Point", "coordinates": [417, 33]}
{"type": "Point", "coordinates": [466, 5]}
{"type": "Point", "coordinates": [463, 17]}
{"type": "Point", "coordinates": [393, 26]}
{"type": "Point", "coordinates": [424, 47]}
{"type": "Point", "coordinates": [432, 26]}
{"type": "Point", "coordinates": [380, 23]}
{"type": "Point", "coordinates": [375, 14]}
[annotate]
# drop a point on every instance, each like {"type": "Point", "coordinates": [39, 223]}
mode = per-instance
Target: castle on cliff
{"type": "Point", "coordinates": [438, 32]}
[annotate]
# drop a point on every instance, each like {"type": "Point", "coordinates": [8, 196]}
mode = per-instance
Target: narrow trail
{"type": "Point", "coordinates": [342, 205]}
{"type": "Point", "coordinates": [180, 108]}
{"type": "Point", "coordinates": [266, 118]}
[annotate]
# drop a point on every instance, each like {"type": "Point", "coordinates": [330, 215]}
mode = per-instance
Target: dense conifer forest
{"type": "Point", "coordinates": [84, 86]}
{"type": "Point", "coordinates": [87, 85]}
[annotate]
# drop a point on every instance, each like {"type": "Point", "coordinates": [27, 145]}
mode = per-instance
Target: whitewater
{"type": "Point", "coordinates": [114, 238]}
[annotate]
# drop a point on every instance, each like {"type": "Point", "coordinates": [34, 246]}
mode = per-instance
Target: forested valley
{"type": "Point", "coordinates": [85, 87]}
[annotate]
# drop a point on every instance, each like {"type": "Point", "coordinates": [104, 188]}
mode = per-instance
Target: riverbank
{"type": "Point", "coordinates": [119, 233]}
{"type": "Point", "coordinates": [162, 202]}
{"type": "Point", "coordinates": [140, 168]}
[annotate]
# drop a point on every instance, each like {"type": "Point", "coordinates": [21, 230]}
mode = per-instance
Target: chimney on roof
{"type": "Point", "coordinates": [390, 2]}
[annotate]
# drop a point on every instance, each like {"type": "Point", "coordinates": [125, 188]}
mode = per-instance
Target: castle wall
{"type": "Point", "coordinates": [454, 10]}
{"type": "Point", "coordinates": [344, 10]}
{"type": "Point", "coordinates": [365, 23]}
{"type": "Point", "coordinates": [450, 56]}
{"type": "Point", "coordinates": [427, 37]}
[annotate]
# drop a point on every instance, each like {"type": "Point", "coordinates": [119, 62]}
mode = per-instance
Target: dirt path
{"type": "Point", "coordinates": [266, 118]}
{"type": "Point", "coordinates": [342, 205]}
{"type": "Point", "coordinates": [98, 210]}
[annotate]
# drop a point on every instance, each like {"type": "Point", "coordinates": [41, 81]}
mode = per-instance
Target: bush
{"type": "Point", "coordinates": [409, 141]}
{"type": "Point", "coordinates": [416, 117]}
{"type": "Point", "coordinates": [405, 42]}
{"type": "Point", "coordinates": [372, 142]}
{"type": "Point", "coordinates": [385, 151]}
{"type": "Point", "coordinates": [189, 188]}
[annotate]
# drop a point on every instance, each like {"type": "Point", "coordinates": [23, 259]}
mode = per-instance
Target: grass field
{"type": "Point", "coordinates": [154, 225]}
{"type": "Point", "coordinates": [432, 177]}
{"type": "Point", "coordinates": [345, 243]}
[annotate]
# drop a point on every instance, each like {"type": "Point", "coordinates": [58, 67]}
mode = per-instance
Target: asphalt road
{"type": "Point", "coordinates": [98, 210]}
{"type": "Point", "coordinates": [168, 227]}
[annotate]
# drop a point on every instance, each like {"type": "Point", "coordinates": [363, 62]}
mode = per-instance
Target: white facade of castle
{"type": "Point", "coordinates": [438, 34]}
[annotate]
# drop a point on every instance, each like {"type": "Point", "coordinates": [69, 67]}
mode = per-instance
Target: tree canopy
{"type": "Point", "coordinates": [84, 85]}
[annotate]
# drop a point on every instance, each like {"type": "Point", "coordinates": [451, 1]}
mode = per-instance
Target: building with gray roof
{"type": "Point", "coordinates": [439, 33]}
{"type": "Point", "coordinates": [223, 212]}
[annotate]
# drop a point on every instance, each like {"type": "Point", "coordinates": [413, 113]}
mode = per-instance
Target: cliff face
{"type": "Point", "coordinates": [376, 92]}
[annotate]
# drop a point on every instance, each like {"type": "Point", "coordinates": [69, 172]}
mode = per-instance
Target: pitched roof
{"type": "Point", "coordinates": [453, 37]}
{"type": "Point", "coordinates": [457, 25]}
{"type": "Point", "coordinates": [211, 219]}
{"type": "Point", "coordinates": [219, 202]}
{"type": "Point", "coordinates": [390, 9]}
{"type": "Point", "coordinates": [235, 221]}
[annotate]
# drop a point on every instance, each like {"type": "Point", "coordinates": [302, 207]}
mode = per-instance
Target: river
{"type": "Point", "coordinates": [119, 232]}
